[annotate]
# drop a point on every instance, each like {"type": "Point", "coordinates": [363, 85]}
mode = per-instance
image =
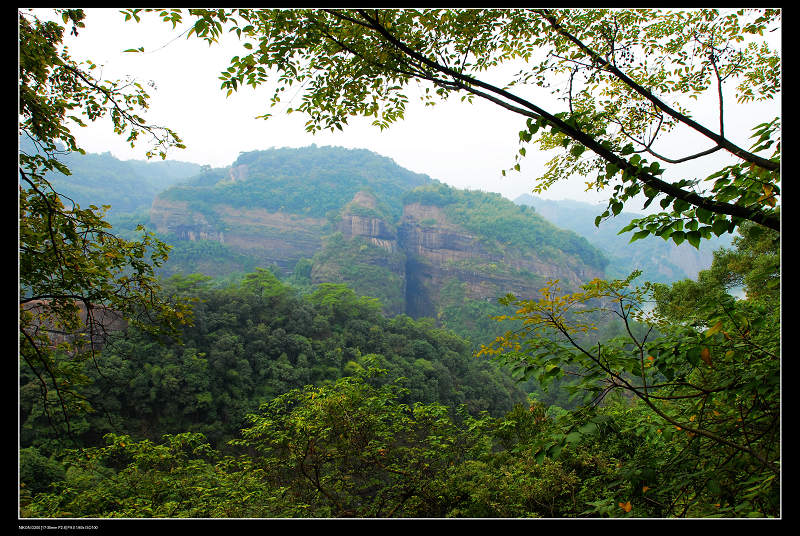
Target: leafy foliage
{"type": "Point", "coordinates": [73, 273]}
{"type": "Point", "coordinates": [659, 260]}
{"type": "Point", "coordinates": [348, 449]}
{"type": "Point", "coordinates": [351, 450]}
{"type": "Point", "coordinates": [257, 340]}
{"type": "Point", "coordinates": [709, 385]}
{"type": "Point", "coordinates": [621, 74]}
{"type": "Point", "coordinates": [358, 415]}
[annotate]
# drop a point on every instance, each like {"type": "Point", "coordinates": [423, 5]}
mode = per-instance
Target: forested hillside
{"type": "Point", "coordinates": [276, 405]}
{"type": "Point", "coordinates": [261, 338]}
{"type": "Point", "coordinates": [254, 341]}
{"type": "Point", "coordinates": [283, 180]}
{"type": "Point", "coordinates": [319, 333]}
{"type": "Point", "coordinates": [263, 354]}
{"type": "Point", "coordinates": [360, 219]}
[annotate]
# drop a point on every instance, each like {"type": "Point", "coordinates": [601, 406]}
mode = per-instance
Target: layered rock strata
{"type": "Point", "coordinates": [404, 265]}
{"type": "Point", "coordinates": [439, 251]}
{"type": "Point", "coordinates": [365, 255]}
{"type": "Point", "coordinates": [269, 237]}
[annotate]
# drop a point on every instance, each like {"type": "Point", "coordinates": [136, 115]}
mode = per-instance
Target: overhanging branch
{"type": "Point", "coordinates": [771, 221]}
{"type": "Point", "coordinates": [719, 139]}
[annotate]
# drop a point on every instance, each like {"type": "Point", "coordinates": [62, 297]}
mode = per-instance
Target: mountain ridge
{"type": "Point", "coordinates": [330, 214]}
{"type": "Point", "coordinates": [367, 222]}
{"type": "Point", "coordinates": [659, 260]}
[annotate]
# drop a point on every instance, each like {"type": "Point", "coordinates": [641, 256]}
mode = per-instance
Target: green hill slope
{"type": "Point", "coordinates": [311, 181]}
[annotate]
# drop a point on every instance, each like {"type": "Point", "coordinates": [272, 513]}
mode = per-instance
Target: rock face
{"type": "Point", "coordinates": [404, 265]}
{"type": "Point", "coordinates": [176, 218]}
{"type": "Point", "coordinates": [97, 324]}
{"type": "Point", "coordinates": [269, 237]}
{"type": "Point", "coordinates": [439, 251]}
{"type": "Point", "coordinates": [364, 254]}
{"type": "Point", "coordinates": [362, 218]}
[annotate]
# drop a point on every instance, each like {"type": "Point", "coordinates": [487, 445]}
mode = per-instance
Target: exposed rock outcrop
{"type": "Point", "coordinates": [269, 237]}
{"type": "Point", "coordinates": [374, 230]}
{"type": "Point", "coordinates": [92, 333]}
{"type": "Point", "coordinates": [439, 251]}
{"type": "Point", "coordinates": [176, 218]}
{"type": "Point", "coordinates": [404, 265]}
{"type": "Point", "coordinates": [364, 254]}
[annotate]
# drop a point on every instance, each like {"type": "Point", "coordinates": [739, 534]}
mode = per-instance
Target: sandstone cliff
{"type": "Point", "coordinates": [268, 237]}
{"type": "Point", "coordinates": [364, 254]}
{"type": "Point", "coordinates": [364, 221]}
{"type": "Point", "coordinates": [405, 265]}
{"type": "Point", "coordinates": [440, 251]}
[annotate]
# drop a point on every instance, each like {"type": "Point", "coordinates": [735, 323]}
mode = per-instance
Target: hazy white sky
{"type": "Point", "coordinates": [464, 145]}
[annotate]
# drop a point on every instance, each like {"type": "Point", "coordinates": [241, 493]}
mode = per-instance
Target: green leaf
{"type": "Point", "coordinates": [720, 226]}
{"type": "Point", "coordinates": [716, 328]}
{"type": "Point", "coordinates": [552, 370]}
{"type": "Point", "coordinates": [693, 237]}
{"type": "Point", "coordinates": [703, 215]}
{"type": "Point", "coordinates": [577, 150]}
{"type": "Point", "coordinates": [588, 428]}
{"type": "Point", "coordinates": [680, 205]}
{"type": "Point", "coordinates": [693, 355]}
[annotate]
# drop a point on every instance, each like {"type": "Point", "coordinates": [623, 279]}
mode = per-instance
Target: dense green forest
{"type": "Point", "coordinates": [277, 404]}
{"type": "Point", "coordinates": [256, 340]}
{"type": "Point", "coordinates": [334, 176]}
{"type": "Point", "coordinates": [290, 391]}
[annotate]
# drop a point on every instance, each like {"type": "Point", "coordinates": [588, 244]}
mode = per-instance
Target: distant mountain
{"type": "Point", "coordinates": [313, 181]}
{"type": "Point", "coordinates": [361, 219]}
{"type": "Point", "coordinates": [333, 215]}
{"type": "Point", "coordinates": [659, 260]}
{"type": "Point", "coordinates": [127, 185]}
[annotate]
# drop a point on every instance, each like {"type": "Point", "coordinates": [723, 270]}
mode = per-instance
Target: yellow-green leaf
{"type": "Point", "coordinates": [716, 328]}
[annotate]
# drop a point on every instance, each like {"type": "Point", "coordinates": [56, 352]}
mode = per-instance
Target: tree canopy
{"type": "Point", "coordinates": [704, 366]}
{"type": "Point", "coordinates": [75, 275]}
{"type": "Point", "coordinates": [623, 75]}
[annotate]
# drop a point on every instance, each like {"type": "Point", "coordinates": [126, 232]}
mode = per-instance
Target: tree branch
{"type": "Point", "coordinates": [768, 220]}
{"type": "Point", "coordinates": [718, 138]}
